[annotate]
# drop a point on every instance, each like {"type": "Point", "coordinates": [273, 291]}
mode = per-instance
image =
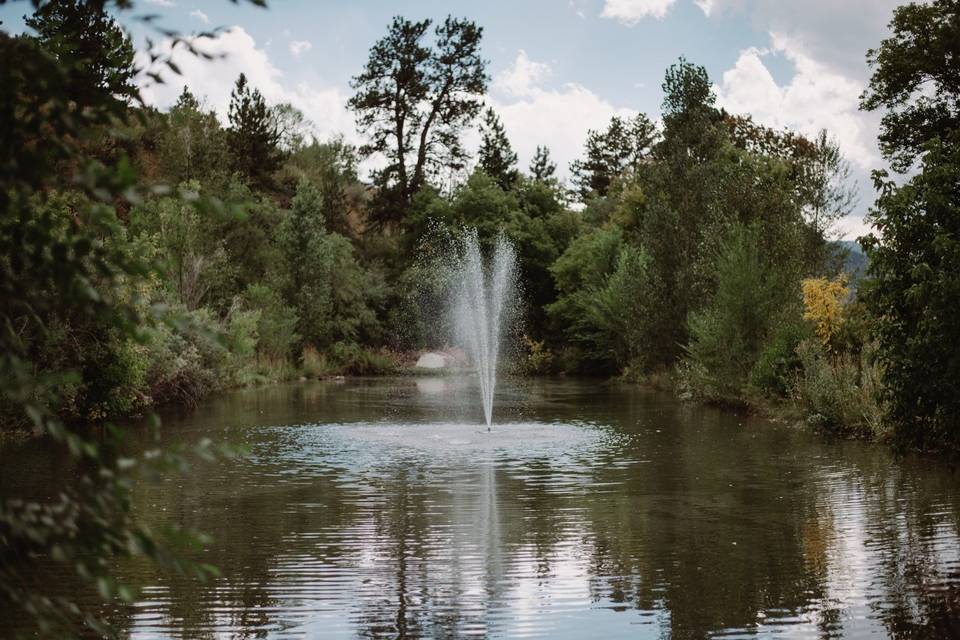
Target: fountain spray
{"type": "Point", "coordinates": [483, 297]}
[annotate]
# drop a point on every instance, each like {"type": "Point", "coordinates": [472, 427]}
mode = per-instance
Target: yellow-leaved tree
{"type": "Point", "coordinates": [823, 302]}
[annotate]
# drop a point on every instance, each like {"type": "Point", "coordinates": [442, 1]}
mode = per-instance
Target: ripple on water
{"type": "Point", "coordinates": [365, 445]}
{"type": "Point", "coordinates": [564, 529]}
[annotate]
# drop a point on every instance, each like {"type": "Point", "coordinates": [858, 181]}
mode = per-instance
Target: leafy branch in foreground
{"type": "Point", "coordinates": [71, 313]}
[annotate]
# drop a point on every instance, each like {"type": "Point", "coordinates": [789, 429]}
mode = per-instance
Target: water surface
{"type": "Point", "coordinates": [383, 509]}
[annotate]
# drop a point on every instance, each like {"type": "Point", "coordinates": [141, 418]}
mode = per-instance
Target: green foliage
{"type": "Point", "coordinates": [728, 335]}
{"type": "Point", "coordinates": [538, 359]}
{"type": "Point", "coordinates": [778, 364]}
{"type": "Point", "coordinates": [915, 265]}
{"type": "Point", "coordinates": [691, 245]}
{"type": "Point", "coordinates": [915, 81]}
{"type": "Point", "coordinates": [332, 167]}
{"type": "Point", "coordinates": [291, 125]}
{"type": "Point", "coordinates": [352, 359]}
{"type": "Point", "coordinates": [179, 369]}
{"type": "Point", "coordinates": [333, 295]}
{"type": "Point", "coordinates": [602, 294]}
{"type": "Point", "coordinates": [276, 326]}
{"type": "Point", "coordinates": [73, 321]}
{"type": "Point", "coordinates": [92, 50]}
{"type": "Point", "coordinates": [841, 394]}
{"type": "Point", "coordinates": [314, 364]}
{"type": "Point", "coordinates": [481, 203]}
{"type": "Point", "coordinates": [192, 145]}
{"type": "Point", "coordinates": [915, 255]}
{"type": "Point", "coordinates": [195, 260]}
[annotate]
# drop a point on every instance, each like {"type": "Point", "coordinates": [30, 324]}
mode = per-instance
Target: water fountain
{"type": "Point", "coordinates": [484, 293]}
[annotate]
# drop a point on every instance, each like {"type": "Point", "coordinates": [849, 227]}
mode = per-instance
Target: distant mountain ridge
{"type": "Point", "coordinates": [854, 261]}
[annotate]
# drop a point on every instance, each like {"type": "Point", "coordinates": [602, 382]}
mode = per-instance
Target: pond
{"type": "Point", "coordinates": [380, 508]}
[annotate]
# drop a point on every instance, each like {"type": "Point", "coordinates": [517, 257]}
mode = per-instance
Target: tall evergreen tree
{"type": "Point", "coordinates": [253, 135]}
{"type": "Point", "coordinates": [679, 221]}
{"type": "Point", "coordinates": [496, 156]}
{"type": "Point", "coordinates": [413, 100]}
{"type": "Point", "coordinates": [542, 168]}
{"type": "Point", "coordinates": [90, 46]}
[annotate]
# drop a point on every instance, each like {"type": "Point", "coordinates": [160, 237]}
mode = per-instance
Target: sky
{"type": "Point", "coordinates": [559, 67]}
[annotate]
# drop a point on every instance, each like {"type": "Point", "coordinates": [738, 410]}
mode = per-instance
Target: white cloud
{"type": "Point", "coordinates": [162, 3]}
{"type": "Point", "coordinates": [325, 107]}
{"type": "Point", "coordinates": [852, 227]}
{"type": "Point", "coordinates": [523, 77]}
{"type": "Point", "coordinates": [834, 32]}
{"type": "Point", "coordinates": [300, 46]}
{"type": "Point", "coordinates": [200, 15]}
{"type": "Point", "coordinates": [633, 11]}
{"type": "Point", "coordinates": [559, 118]}
{"type": "Point", "coordinates": [577, 10]}
{"type": "Point", "coordinates": [815, 98]}
{"type": "Point", "coordinates": [707, 6]}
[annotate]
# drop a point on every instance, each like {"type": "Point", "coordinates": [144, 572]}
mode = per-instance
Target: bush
{"type": "Point", "coordinates": [314, 364]}
{"type": "Point", "coordinates": [177, 372]}
{"type": "Point", "coordinates": [777, 364]}
{"type": "Point", "coordinates": [351, 359]}
{"type": "Point", "coordinates": [538, 360]}
{"type": "Point", "coordinates": [840, 393]}
{"type": "Point", "coordinates": [277, 324]}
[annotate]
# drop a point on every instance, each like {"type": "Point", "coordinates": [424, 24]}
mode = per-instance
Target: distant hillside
{"type": "Point", "coordinates": [854, 261]}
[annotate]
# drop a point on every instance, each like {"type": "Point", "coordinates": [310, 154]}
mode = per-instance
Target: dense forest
{"type": "Point", "coordinates": [157, 256]}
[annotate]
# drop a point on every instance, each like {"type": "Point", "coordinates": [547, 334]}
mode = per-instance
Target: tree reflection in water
{"type": "Point", "coordinates": [643, 518]}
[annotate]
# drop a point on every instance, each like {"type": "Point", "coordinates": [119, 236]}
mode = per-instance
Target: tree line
{"type": "Point", "coordinates": [156, 256]}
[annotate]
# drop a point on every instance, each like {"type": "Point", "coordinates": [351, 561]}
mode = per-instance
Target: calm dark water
{"type": "Point", "coordinates": [381, 509]}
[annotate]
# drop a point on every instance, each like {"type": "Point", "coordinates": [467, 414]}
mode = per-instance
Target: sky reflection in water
{"type": "Point", "coordinates": [382, 509]}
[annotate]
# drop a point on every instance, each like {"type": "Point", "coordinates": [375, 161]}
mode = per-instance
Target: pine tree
{"type": "Point", "coordinates": [413, 101]}
{"type": "Point", "coordinates": [90, 45]}
{"type": "Point", "coordinates": [609, 154]}
{"type": "Point", "coordinates": [496, 156]}
{"type": "Point", "coordinates": [253, 136]}
{"type": "Point", "coordinates": [542, 168]}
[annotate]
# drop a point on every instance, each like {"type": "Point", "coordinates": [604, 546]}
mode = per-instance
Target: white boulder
{"type": "Point", "coordinates": [432, 360]}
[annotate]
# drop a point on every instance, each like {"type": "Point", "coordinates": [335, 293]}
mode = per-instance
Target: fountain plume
{"type": "Point", "coordinates": [484, 295]}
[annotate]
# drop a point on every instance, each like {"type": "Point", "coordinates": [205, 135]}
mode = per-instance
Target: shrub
{"type": "Point", "coordinates": [351, 359]}
{"type": "Point", "coordinates": [177, 372]}
{"type": "Point", "coordinates": [777, 364]}
{"type": "Point", "coordinates": [840, 393]}
{"type": "Point", "coordinates": [601, 282]}
{"type": "Point", "coordinates": [538, 359]}
{"type": "Point", "coordinates": [277, 324]}
{"type": "Point", "coordinates": [314, 364]}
